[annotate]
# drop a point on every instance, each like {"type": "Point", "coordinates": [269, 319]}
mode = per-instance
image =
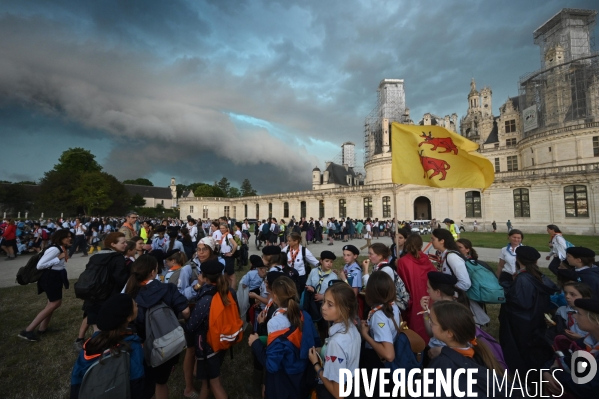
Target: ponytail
{"type": "Point", "coordinates": [222, 285]}
{"type": "Point", "coordinates": [142, 268]}
{"type": "Point", "coordinates": [284, 289]}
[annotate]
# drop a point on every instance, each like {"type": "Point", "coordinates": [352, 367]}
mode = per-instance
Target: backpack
{"type": "Point", "coordinates": [493, 345]}
{"type": "Point", "coordinates": [484, 286]}
{"type": "Point", "coordinates": [95, 284]}
{"type": "Point", "coordinates": [225, 327]}
{"type": "Point", "coordinates": [45, 235]}
{"type": "Point", "coordinates": [402, 296]}
{"type": "Point", "coordinates": [408, 347]}
{"type": "Point", "coordinates": [173, 278]}
{"type": "Point", "coordinates": [30, 273]}
{"type": "Point", "coordinates": [107, 378]}
{"type": "Point", "coordinates": [165, 337]}
{"type": "Point", "coordinates": [277, 229]}
{"type": "Point", "coordinates": [297, 229]}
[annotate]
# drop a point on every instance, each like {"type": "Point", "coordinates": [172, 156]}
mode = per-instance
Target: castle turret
{"type": "Point", "coordinates": [316, 176]}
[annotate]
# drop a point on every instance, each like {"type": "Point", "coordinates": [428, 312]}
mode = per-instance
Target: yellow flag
{"type": "Point", "coordinates": [435, 157]}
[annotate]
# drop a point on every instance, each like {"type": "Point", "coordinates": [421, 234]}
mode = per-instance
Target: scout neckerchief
{"type": "Point", "coordinates": [321, 277]}
{"type": "Point", "coordinates": [66, 254]}
{"type": "Point", "coordinates": [509, 249]}
{"type": "Point", "coordinates": [294, 254]}
{"type": "Point", "coordinates": [375, 309]}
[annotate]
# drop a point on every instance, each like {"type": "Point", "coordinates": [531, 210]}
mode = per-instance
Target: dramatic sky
{"type": "Point", "coordinates": [258, 89]}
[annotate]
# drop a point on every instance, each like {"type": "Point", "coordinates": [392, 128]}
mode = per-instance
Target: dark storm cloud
{"type": "Point", "coordinates": [201, 90]}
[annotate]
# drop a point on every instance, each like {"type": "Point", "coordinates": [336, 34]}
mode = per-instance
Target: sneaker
{"type": "Point", "coordinates": [11, 258]}
{"type": "Point", "coordinates": [28, 335]}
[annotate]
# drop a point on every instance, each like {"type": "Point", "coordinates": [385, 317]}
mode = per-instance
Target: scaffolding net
{"type": "Point", "coordinates": [565, 91]}
{"type": "Point", "coordinates": [391, 105]}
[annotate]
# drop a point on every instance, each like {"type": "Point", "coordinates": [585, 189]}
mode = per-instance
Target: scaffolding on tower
{"type": "Point", "coordinates": [391, 106]}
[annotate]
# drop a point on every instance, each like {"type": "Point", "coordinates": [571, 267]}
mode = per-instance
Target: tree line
{"type": "Point", "coordinates": [78, 185]}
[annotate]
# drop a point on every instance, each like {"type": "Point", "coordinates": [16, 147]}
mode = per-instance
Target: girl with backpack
{"type": "Point", "coordinates": [451, 261]}
{"type": "Point", "coordinates": [340, 308]}
{"type": "Point", "coordinates": [441, 287]}
{"type": "Point", "coordinates": [378, 255]}
{"type": "Point", "coordinates": [291, 334]}
{"type": "Point", "coordinates": [453, 325]}
{"type": "Point", "coordinates": [299, 258]}
{"type": "Point", "coordinates": [116, 339]}
{"type": "Point", "coordinates": [53, 262]}
{"type": "Point", "coordinates": [198, 327]}
{"type": "Point", "coordinates": [412, 268]}
{"type": "Point", "coordinates": [379, 329]}
{"type": "Point", "coordinates": [148, 292]}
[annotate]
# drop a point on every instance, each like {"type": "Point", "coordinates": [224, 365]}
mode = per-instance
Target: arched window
{"type": "Point", "coordinates": [386, 207]}
{"type": "Point", "coordinates": [521, 203]}
{"type": "Point", "coordinates": [321, 208]}
{"type": "Point", "coordinates": [368, 207]}
{"type": "Point", "coordinates": [285, 209]}
{"type": "Point", "coordinates": [257, 211]}
{"type": "Point", "coordinates": [270, 210]}
{"type": "Point", "coordinates": [303, 209]}
{"type": "Point", "coordinates": [342, 210]}
{"type": "Point", "coordinates": [473, 208]}
{"type": "Point", "coordinates": [575, 200]}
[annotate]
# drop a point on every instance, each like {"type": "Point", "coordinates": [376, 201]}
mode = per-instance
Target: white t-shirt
{"type": "Point", "coordinates": [508, 254]}
{"type": "Point", "coordinates": [454, 264]}
{"type": "Point", "coordinates": [342, 351]}
{"type": "Point", "coordinates": [368, 230]}
{"type": "Point", "coordinates": [217, 235]}
{"type": "Point", "coordinates": [225, 245]}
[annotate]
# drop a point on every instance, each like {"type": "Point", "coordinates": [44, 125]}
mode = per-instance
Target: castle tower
{"type": "Point", "coordinates": [473, 96]}
{"type": "Point", "coordinates": [316, 177]}
{"type": "Point", "coordinates": [348, 154]}
{"type": "Point", "coordinates": [486, 97]}
{"type": "Point", "coordinates": [173, 188]}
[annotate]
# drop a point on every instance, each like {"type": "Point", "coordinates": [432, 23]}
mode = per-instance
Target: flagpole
{"type": "Point", "coordinates": [395, 221]}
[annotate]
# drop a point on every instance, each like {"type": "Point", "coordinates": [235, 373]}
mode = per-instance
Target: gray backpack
{"type": "Point", "coordinates": [165, 337]}
{"type": "Point", "coordinates": [107, 378]}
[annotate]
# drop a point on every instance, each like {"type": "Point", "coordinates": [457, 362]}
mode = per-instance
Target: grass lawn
{"type": "Point", "coordinates": [538, 241]}
{"type": "Point", "coordinates": [49, 362]}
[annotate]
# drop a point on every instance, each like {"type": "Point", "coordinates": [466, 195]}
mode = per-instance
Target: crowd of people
{"type": "Point", "coordinates": [308, 319]}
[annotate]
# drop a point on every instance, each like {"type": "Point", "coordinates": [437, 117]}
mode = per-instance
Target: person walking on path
{"type": "Point", "coordinates": [80, 242]}
{"type": "Point", "coordinates": [494, 225]}
{"type": "Point", "coordinates": [367, 234]}
{"type": "Point", "coordinates": [128, 228]}
{"type": "Point", "coordinates": [9, 239]}
{"type": "Point", "coordinates": [509, 225]}
{"type": "Point", "coordinates": [558, 247]}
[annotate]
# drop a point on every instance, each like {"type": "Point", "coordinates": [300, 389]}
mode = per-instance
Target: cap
{"type": "Point", "coordinates": [327, 255]}
{"type": "Point", "coordinates": [256, 261]}
{"type": "Point", "coordinates": [271, 250]}
{"type": "Point", "coordinates": [211, 267]}
{"type": "Point", "coordinates": [580, 252]}
{"type": "Point", "coordinates": [447, 220]}
{"type": "Point", "coordinates": [209, 242]}
{"type": "Point", "coordinates": [591, 305]}
{"type": "Point", "coordinates": [114, 312]}
{"type": "Point", "coordinates": [528, 253]}
{"type": "Point", "coordinates": [160, 229]}
{"type": "Point", "coordinates": [442, 278]}
{"type": "Point", "coordinates": [351, 248]}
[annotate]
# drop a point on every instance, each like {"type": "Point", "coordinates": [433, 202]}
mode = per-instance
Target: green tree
{"type": "Point", "coordinates": [246, 189]}
{"type": "Point", "coordinates": [234, 192]}
{"type": "Point", "coordinates": [77, 160]}
{"type": "Point", "coordinates": [181, 188]}
{"type": "Point", "coordinates": [16, 198]}
{"type": "Point", "coordinates": [28, 182]}
{"type": "Point", "coordinates": [203, 191]}
{"type": "Point", "coordinates": [218, 192]}
{"type": "Point", "coordinates": [92, 192]}
{"type": "Point", "coordinates": [224, 185]}
{"type": "Point", "coordinates": [138, 200]}
{"type": "Point", "coordinates": [56, 192]}
{"type": "Point", "coordinates": [140, 181]}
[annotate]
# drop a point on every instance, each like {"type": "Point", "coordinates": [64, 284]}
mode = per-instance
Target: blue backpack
{"type": "Point", "coordinates": [409, 349]}
{"type": "Point", "coordinates": [484, 286]}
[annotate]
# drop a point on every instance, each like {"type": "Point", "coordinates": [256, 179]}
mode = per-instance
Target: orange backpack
{"type": "Point", "coordinates": [225, 327]}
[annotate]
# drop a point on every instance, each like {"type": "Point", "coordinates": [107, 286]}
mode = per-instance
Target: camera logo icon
{"type": "Point", "coordinates": [583, 367]}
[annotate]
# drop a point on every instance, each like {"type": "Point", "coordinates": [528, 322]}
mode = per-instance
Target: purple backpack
{"type": "Point", "coordinates": [493, 345]}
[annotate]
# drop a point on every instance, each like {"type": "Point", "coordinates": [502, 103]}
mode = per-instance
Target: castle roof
{"type": "Point", "coordinates": [338, 173]}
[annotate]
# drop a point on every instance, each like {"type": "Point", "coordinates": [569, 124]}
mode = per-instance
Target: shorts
{"type": "Point", "coordinates": [210, 369]}
{"type": "Point", "coordinates": [51, 283]}
{"type": "Point", "coordinates": [229, 265]}
{"type": "Point", "coordinates": [161, 374]}
{"type": "Point", "coordinates": [37, 244]}
{"type": "Point", "coordinates": [8, 243]}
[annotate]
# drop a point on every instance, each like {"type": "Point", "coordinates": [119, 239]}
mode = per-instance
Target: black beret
{"type": "Point", "coordinates": [114, 312]}
{"type": "Point", "coordinates": [160, 229]}
{"type": "Point", "coordinates": [591, 305]}
{"type": "Point", "coordinates": [256, 261]}
{"type": "Point", "coordinates": [442, 278]}
{"type": "Point", "coordinates": [272, 276]}
{"type": "Point", "coordinates": [271, 250]}
{"type": "Point", "coordinates": [580, 252]}
{"type": "Point", "coordinates": [351, 248]}
{"type": "Point", "coordinates": [528, 253]}
{"type": "Point", "coordinates": [568, 275]}
{"type": "Point", "coordinates": [211, 267]}
{"type": "Point", "coordinates": [327, 255]}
